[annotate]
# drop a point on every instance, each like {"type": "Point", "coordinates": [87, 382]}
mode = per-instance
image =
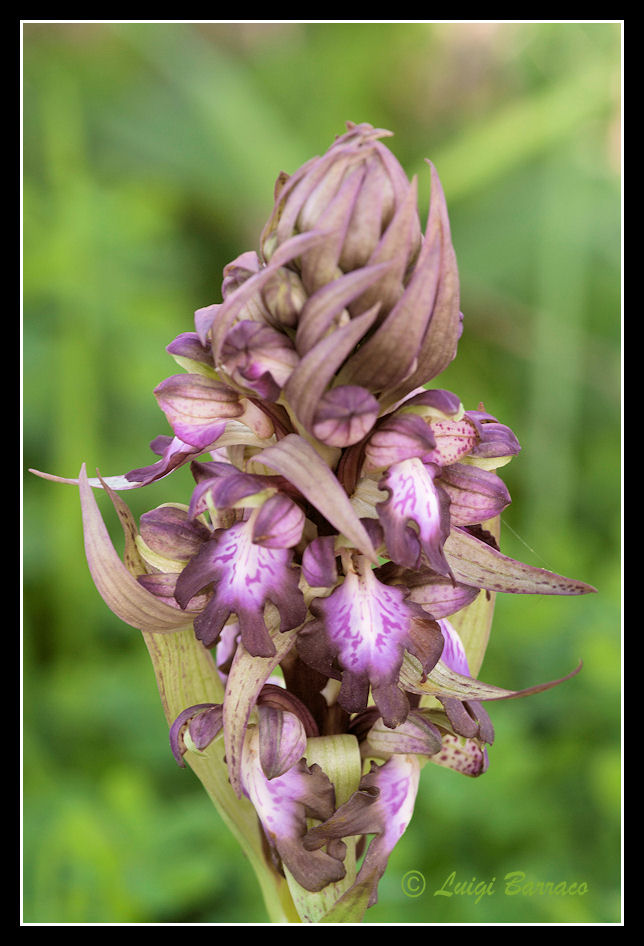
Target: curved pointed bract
{"type": "Point", "coordinates": [476, 563]}
{"type": "Point", "coordinates": [117, 586]}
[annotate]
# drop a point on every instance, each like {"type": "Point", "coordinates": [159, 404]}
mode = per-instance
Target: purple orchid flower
{"type": "Point", "coordinates": [340, 531]}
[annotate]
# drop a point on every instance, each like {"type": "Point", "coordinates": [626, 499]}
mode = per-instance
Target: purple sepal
{"type": "Point", "coordinates": [279, 523]}
{"type": "Point", "coordinates": [345, 415]}
{"type": "Point", "coordinates": [223, 485]}
{"type": "Point", "coordinates": [238, 271]}
{"type": "Point", "coordinates": [175, 454]}
{"type": "Point", "coordinates": [496, 440]}
{"type": "Point", "coordinates": [439, 400]}
{"type": "Point", "coordinates": [364, 628]}
{"type": "Point", "coordinates": [439, 596]}
{"type": "Point", "coordinates": [383, 806]}
{"type": "Point", "coordinates": [281, 698]}
{"type": "Point", "coordinates": [204, 319]}
{"type": "Point", "coordinates": [245, 576]}
{"type": "Point", "coordinates": [284, 296]}
{"type": "Point", "coordinates": [258, 357]}
{"type": "Point", "coordinates": [282, 740]}
{"type": "Point", "coordinates": [164, 584]}
{"type": "Point", "coordinates": [197, 407]}
{"type": "Point", "coordinates": [319, 562]}
{"type": "Point", "coordinates": [188, 345]}
{"type": "Point", "coordinates": [397, 437]}
{"type": "Point", "coordinates": [206, 732]}
{"type": "Point", "coordinates": [171, 532]}
{"type": "Point", "coordinates": [414, 497]}
{"type": "Point", "coordinates": [475, 495]}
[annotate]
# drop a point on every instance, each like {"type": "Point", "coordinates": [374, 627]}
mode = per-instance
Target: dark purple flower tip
{"type": "Point", "coordinates": [171, 532]}
{"type": "Point", "coordinates": [495, 440]}
{"type": "Point", "coordinates": [210, 721]}
{"type": "Point", "coordinates": [397, 437]}
{"type": "Point", "coordinates": [279, 523]}
{"type": "Point", "coordinates": [258, 357]}
{"type": "Point", "coordinates": [188, 350]}
{"type": "Point", "coordinates": [469, 718]}
{"type": "Point", "coordinates": [345, 415]}
{"type": "Point", "coordinates": [319, 565]}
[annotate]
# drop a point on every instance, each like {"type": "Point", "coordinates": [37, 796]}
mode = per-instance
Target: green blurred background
{"type": "Point", "coordinates": [150, 153]}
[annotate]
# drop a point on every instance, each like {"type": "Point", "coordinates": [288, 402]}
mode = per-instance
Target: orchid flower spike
{"type": "Point", "coordinates": [317, 610]}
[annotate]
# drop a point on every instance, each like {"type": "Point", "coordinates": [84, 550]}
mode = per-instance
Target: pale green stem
{"type": "Point", "coordinates": [186, 675]}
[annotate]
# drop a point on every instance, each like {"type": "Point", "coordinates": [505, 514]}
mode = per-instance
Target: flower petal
{"type": "Point", "coordinates": [367, 626]}
{"type": "Point", "coordinates": [344, 416]}
{"type": "Point", "coordinates": [279, 523]}
{"type": "Point", "coordinates": [258, 357]}
{"type": "Point", "coordinates": [283, 805]}
{"type": "Point", "coordinates": [397, 438]}
{"type": "Point", "coordinates": [246, 680]}
{"type": "Point", "coordinates": [316, 369]}
{"type": "Point", "coordinates": [246, 577]}
{"type": "Point", "coordinates": [383, 806]}
{"type": "Point", "coordinates": [414, 497]}
{"type": "Point", "coordinates": [197, 407]}
{"type": "Point", "coordinates": [282, 740]}
{"type": "Point", "coordinates": [475, 495]}
{"type": "Point", "coordinates": [438, 595]}
{"type": "Point", "coordinates": [319, 562]}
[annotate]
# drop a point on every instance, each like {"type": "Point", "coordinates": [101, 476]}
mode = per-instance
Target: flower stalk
{"type": "Point", "coordinates": [318, 610]}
